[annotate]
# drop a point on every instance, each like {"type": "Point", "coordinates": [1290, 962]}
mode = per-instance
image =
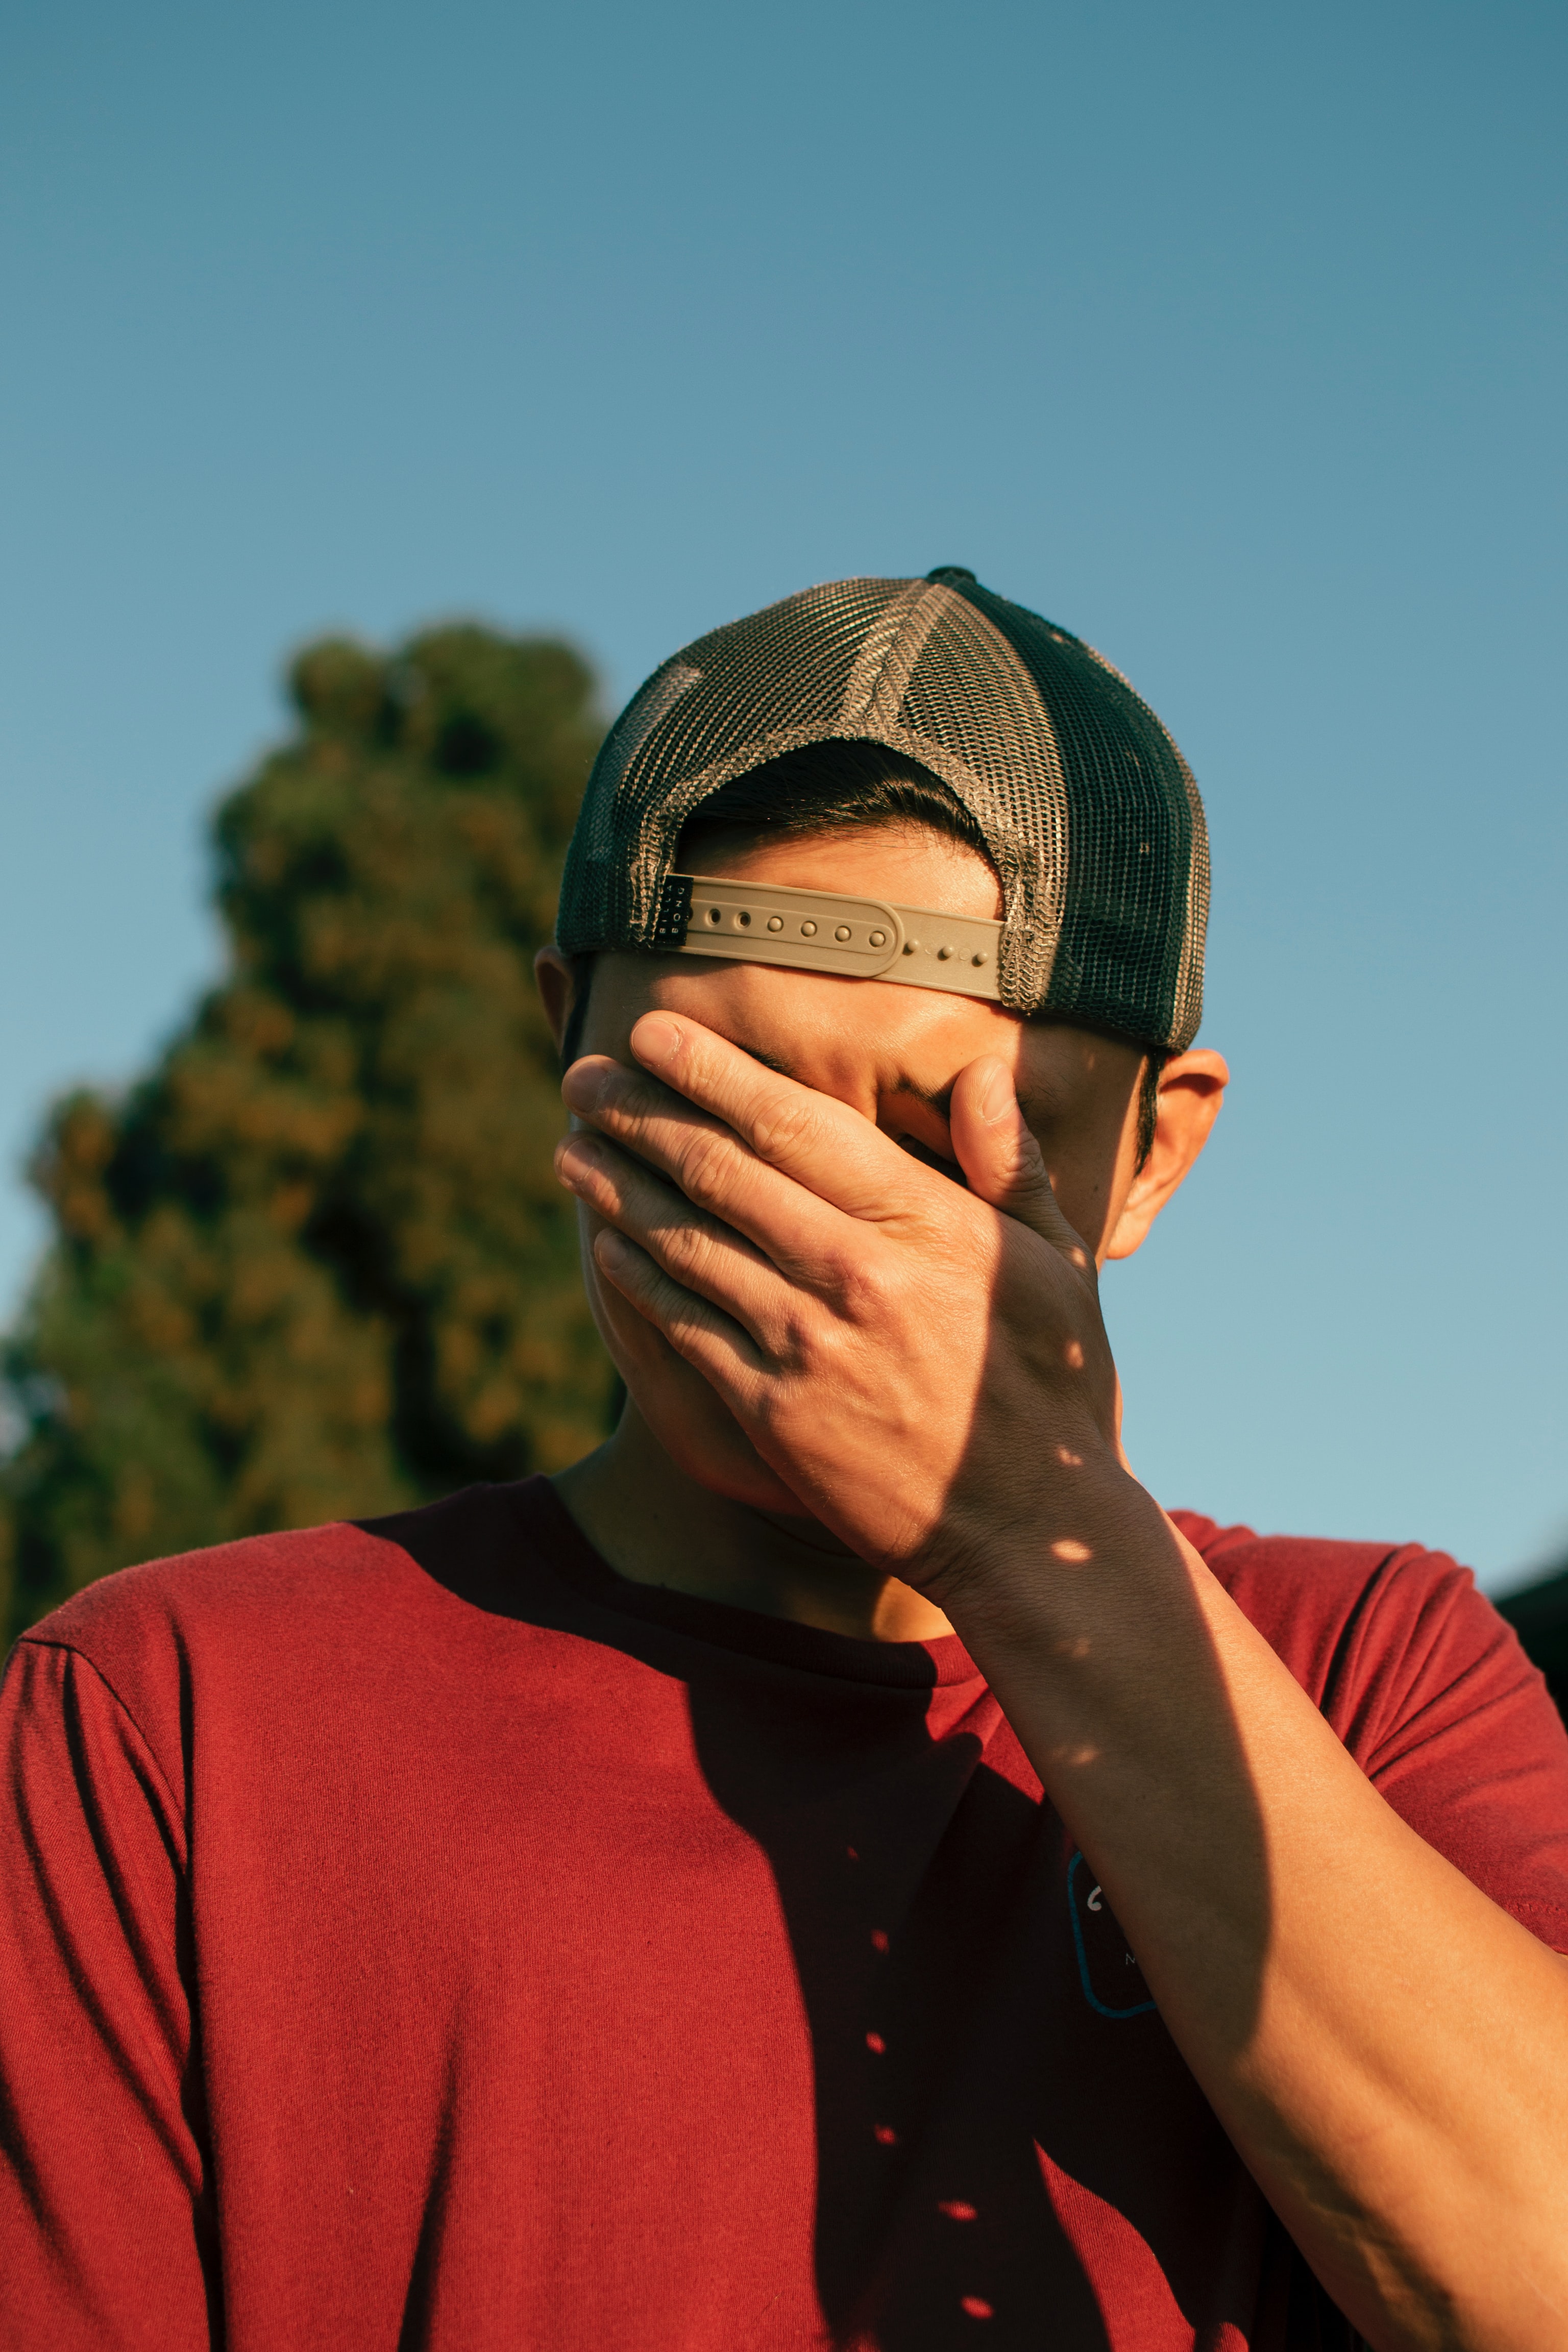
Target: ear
{"type": "Point", "coordinates": [557, 990]}
{"type": "Point", "coordinates": [1192, 1089]}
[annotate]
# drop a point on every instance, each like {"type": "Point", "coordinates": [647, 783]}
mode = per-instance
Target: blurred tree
{"type": "Point", "coordinates": [316, 1263]}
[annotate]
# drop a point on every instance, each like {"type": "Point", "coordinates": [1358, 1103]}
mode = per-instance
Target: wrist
{"type": "Point", "coordinates": [1046, 1559]}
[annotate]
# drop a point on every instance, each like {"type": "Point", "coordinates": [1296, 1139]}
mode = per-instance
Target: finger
{"type": "Point", "coordinates": [705, 1336]}
{"type": "Point", "coordinates": [816, 1140]}
{"type": "Point", "coordinates": [718, 1172]}
{"type": "Point", "coordinates": [699, 1252]}
{"type": "Point", "coordinates": [1000, 1160]}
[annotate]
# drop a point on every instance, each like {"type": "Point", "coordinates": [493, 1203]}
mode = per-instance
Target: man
{"type": "Point", "coordinates": [841, 1866]}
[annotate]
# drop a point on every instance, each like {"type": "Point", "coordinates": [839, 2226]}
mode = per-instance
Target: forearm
{"type": "Point", "coordinates": [1394, 2077]}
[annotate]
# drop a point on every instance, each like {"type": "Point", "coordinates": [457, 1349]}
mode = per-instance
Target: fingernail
{"type": "Point", "coordinates": [656, 1039]}
{"type": "Point", "coordinates": [996, 1095]}
{"type": "Point", "coordinates": [583, 1087]}
{"type": "Point", "coordinates": [575, 1158]}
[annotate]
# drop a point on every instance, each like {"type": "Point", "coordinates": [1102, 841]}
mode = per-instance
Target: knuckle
{"type": "Point", "coordinates": [798, 1348]}
{"type": "Point", "coordinates": [865, 1286]}
{"type": "Point", "coordinates": [1025, 1165]}
{"type": "Point", "coordinates": [704, 1165]}
{"type": "Point", "coordinates": [685, 1248]}
{"type": "Point", "coordinates": [785, 1127]}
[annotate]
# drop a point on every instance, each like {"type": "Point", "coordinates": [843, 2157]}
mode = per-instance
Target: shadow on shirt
{"type": "Point", "coordinates": [1006, 2137]}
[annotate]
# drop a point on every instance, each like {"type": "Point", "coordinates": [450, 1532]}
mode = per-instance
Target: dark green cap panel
{"type": "Point", "coordinates": [1137, 873]}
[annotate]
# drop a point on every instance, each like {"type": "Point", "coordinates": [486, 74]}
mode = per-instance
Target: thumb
{"type": "Point", "coordinates": [1000, 1160]}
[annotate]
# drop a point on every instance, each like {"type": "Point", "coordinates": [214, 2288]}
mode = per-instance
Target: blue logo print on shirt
{"type": "Point", "coordinates": [1113, 1983]}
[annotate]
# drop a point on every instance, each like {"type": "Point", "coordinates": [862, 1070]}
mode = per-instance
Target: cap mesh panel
{"type": "Point", "coordinates": [1083, 801]}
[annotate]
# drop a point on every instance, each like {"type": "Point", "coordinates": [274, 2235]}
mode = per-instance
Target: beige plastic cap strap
{"type": "Point", "coordinates": [818, 930]}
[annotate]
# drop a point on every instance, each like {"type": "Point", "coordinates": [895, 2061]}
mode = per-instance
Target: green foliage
{"type": "Point", "coordinates": [315, 1264]}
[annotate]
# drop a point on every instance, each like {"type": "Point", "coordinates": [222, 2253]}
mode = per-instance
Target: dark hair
{"type": "Point", "coordinates": [827, 785]}
{"type": "Point", "coordinates": [838, 783]}
{"type": "Point", "coordinates": [1154, 1060]}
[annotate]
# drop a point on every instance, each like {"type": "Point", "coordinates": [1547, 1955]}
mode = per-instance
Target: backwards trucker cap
{"type": "Point", "coordinates": [1088, 810]}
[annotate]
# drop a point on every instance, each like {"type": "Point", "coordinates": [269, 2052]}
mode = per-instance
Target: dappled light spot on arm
{"type": "Point", "coordinates": [1068, 1459]}
{"type": "Point", "coordinates": [1071, 1552]}
{"type": "Point", "coordinates": [1072, 1355]}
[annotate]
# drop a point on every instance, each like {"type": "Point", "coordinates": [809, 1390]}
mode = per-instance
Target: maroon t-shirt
{"type": "Point", "coordinates": [419, 1936]}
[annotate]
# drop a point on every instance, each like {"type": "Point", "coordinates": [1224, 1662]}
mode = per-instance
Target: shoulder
{"type": "Point", "coordinates": [1430, 1692]}
{"type": "Point", "coordinates": [276, 1624]}
{"type": "Point", "coordinates": [1333, 1609]}
{"type": "Point", "coordinates": [1392, 1641]}
{"type": "Point", "coordinates": [1397, 1645]}
{"type": "Point", "coordinates": [156, 1634]}
{"type": "Point", "coordinates": [199, 1597]}
{"type": "Point", "coordinates": [344, 1569]}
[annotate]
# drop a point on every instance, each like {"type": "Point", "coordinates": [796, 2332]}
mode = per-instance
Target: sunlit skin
{"type": "Point", "coordinates": [875, 1398]}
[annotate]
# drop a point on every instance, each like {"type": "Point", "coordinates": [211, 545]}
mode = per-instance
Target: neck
{"type": "Point", "coordinates": [657, 1525]}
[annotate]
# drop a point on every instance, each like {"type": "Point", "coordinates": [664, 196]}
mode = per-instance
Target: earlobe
{"type": "Point", "coordinates": [557, 990]}
{"type": "Point", "coordinates": [1192, 1089]}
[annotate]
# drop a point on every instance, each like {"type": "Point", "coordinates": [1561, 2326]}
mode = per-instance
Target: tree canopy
{"type": "Point", "coordinates": [315, 1264]}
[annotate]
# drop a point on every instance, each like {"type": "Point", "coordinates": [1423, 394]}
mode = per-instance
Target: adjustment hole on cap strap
{"type": "Point", "coordinates": [714, 916]}
{"type": "Point", "coordinates": [808, 930]}
{"type": "Point", "coordinates": [775, 922]}
{"type": "Point", "coordinates": [744, 917]}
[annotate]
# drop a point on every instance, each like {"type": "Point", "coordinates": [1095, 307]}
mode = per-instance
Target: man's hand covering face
{"type": "Point", "coordinates": [919, 1363]}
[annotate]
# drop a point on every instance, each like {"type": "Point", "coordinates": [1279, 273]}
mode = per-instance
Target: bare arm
{"type": "Point", "coordinates": [927, 1368]}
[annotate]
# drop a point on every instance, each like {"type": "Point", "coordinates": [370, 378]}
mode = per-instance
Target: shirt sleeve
{"type": "Point", "coordinates": [103, 2205]}
{"type": "Point", "coordinates": [1433, 1696]}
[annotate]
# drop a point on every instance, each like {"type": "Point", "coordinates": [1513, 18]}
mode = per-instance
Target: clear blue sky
{"type": "Point", "coordinates": [1232, 337]}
